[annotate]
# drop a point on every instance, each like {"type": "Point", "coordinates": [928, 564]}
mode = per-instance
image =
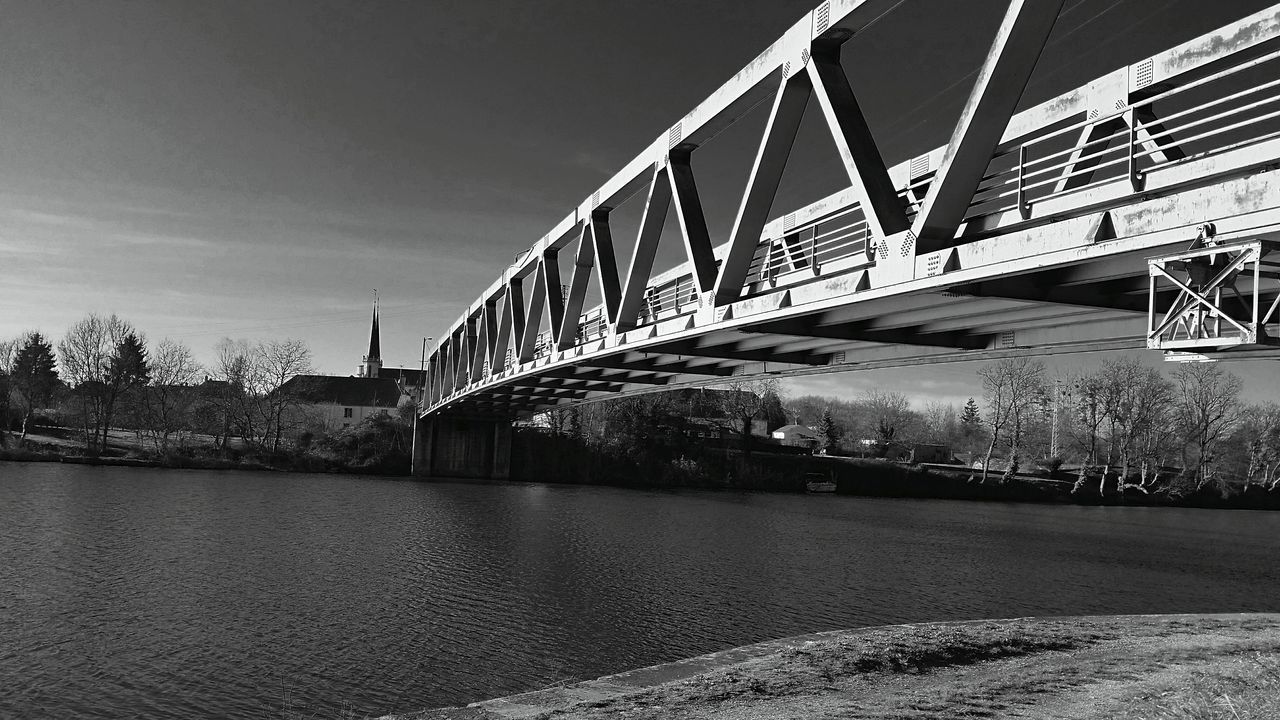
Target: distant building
{"type": "Point", "coordinates": [797, 436]}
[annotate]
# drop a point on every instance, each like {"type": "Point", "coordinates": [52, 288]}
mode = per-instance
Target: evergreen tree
{"type": "Point", "coordinates": [35, 376]}
{"type": "Point", "coordinates": [970, 419]}
{"type": "Point", "coordinates": [129, 364]}
{"type": "Point", "coordinates": [126, 370]}
{"type": "Point", "coordinates": [829, 433]}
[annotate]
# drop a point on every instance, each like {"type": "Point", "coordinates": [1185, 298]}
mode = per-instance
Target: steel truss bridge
{"type": "Point", "coordinates": [1139, 210]}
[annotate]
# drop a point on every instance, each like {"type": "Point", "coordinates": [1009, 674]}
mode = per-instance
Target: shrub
{"type": "Point", "coordinates": [1050, 465]}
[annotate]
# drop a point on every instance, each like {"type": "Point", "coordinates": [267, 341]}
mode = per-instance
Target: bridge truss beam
{"type": "Point", "coordinates": [1026, 230]}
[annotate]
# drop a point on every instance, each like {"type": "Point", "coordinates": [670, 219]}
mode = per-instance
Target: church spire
{"type": "Point", "coordinates": [375, 349]}
{"type": "Point", "coordinates": [373, 361]}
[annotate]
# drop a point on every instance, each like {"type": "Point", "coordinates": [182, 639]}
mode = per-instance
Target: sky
{"type": "Point", "coordinates": [256, 168]}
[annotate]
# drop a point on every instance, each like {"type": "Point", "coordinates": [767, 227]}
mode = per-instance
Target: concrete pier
{"type": "Point", "coordinates": [468, 446]}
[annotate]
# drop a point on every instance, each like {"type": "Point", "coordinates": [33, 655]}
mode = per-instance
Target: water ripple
{"type": "Point", "coordinates": [191, 594]}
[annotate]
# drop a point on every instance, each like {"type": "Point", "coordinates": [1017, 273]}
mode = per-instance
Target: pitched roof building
{"type": "Point", "coordinates": [338, 402]}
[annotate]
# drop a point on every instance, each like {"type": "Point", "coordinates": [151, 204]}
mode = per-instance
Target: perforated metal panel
{"type": "Point", "coordinates": [1145, 73]}
{"type": "Point", "coordinates": [823, 19]}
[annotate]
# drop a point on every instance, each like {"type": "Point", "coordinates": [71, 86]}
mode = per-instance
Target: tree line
{"type": "Point", "coordinates": [103, 374]}
{"type": "Point", "coordinates": [1125, 425]}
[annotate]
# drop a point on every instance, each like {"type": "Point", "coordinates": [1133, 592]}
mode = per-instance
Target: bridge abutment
{"type": "Point", "coordinates": [467, 446]}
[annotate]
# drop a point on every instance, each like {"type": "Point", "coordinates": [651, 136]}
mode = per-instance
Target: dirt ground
{"type": "Point", "coordinates": [1191, 667]}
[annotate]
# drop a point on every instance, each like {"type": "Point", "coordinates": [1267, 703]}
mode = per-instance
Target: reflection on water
{"type": "Point", "coordinates": [194, 594]}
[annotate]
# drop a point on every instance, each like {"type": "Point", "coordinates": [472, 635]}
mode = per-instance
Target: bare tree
{"type": "Point", "coordinates": [98, 360]}
{"type": "Point", "coordinates": [742, 401]}
{"type": "Point", "coordinates": [254, 402]}
{"type": "Point", "coordinates": [1156, 440]}
{"type": "Point", "coordinates": [1259, 431]}
{"type": "Point", "coordinates": [1012, 388]}
{"type": "Point", "coordinates": [168, 401]}
{"type": "Point", "coordinates": [1138, 403]}
{"type": "Point", "coordinates": [889, 414]}
{"type": "Point", "coordinates": [233, 399]}
{"type": "Point", "coordinates": [1207, 399]}
{"type": "Point", "coordinates": [941, 423]}
{"type": "Point", "coordinates": [277, 362]}
{"type": "Point", "coordinates": [1087, 397]}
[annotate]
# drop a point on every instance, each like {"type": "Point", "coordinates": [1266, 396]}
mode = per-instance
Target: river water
{"type": "Point", "coordinates": [200, 594]}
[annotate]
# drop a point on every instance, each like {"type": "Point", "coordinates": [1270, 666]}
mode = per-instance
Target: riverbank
{"type": "Point", "coordinates": [1155, 667]}
{"type": "Point", "coordinates": [171, 462]}
{"type": "Point", "coordinates": [349, 454]}
{"type": "Point", "coordinates": [542, 457]}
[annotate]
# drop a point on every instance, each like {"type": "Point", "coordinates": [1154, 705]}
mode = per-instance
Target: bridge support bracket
{"type": "Point", "coordinates": [1228, 297]}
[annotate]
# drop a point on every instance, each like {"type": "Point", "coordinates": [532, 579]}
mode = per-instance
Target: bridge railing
{"type": "Point", "coordinates": [1231, 108]}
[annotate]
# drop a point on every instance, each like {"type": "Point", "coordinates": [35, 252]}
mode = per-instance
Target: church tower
{"type": "Point", "coordinates": [373, 360]}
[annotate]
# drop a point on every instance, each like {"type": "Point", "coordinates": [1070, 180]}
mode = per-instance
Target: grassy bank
{"type": "Point", "coordinates": [1109, 668]}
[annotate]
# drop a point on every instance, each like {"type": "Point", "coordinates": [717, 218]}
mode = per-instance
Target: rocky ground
{"type": "Point", "coordinates": [1186, 667]}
